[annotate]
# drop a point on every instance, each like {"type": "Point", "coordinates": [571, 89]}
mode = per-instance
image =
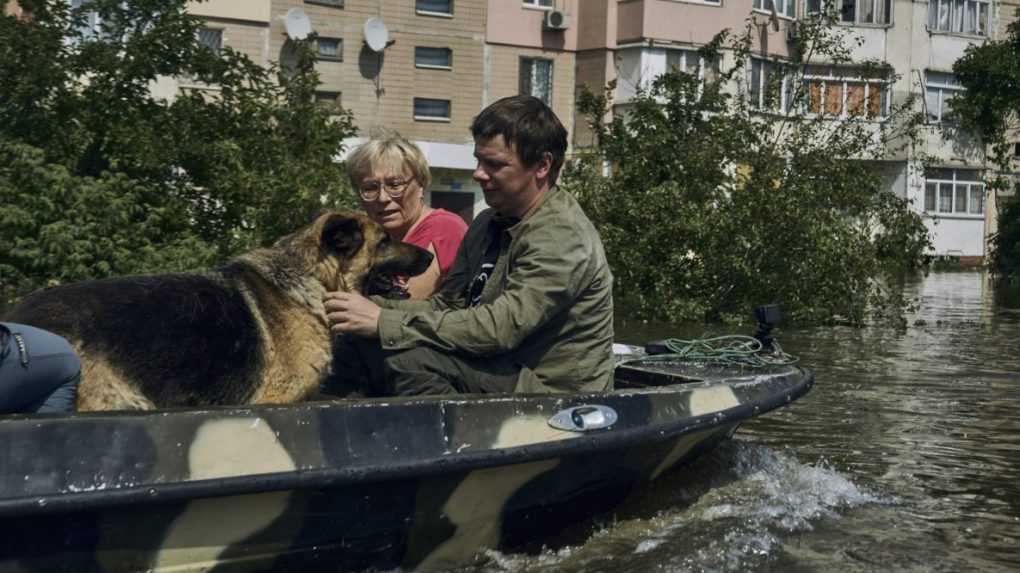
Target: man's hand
{"type": "Point", "coordinates": [351, 313]}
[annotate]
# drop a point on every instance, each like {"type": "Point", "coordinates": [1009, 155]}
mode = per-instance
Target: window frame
{"type": "Point", "coordinates": [434, 118]}
{"type": "Point", "coordinates": [339, 57]}
{"type": "Point", "coordinates": [942, 88]}
{"type": "Point", "coordinates": [935, 183]}
{"type": "Point", "coordinates": [447, 67]}
{"type": "Point", "coordinates": [785, 104]}
{"type": "Point", "coordinates": [537, 4]}
{"type": "Point", "coordinates": [329, 97]}
{"type": "Point", "coordinates": [763, 7]}
{"type": "Point", "coordinates": [422, 12]}
{"type": "Point", "coordinates": [933, 21]}
{"type": "Point", "coordinates": [531, 80]}
{"type": "Point", "coordinates": [845, 81]}
{"type": "Point", "coordinates": [219, 33]}
{"type": "Point", "coordinates": [702, 65]}
{"type": "Point", "coordinates": [878, 7]}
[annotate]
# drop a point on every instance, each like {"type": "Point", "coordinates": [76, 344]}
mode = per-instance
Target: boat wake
{"type": "Point", "coordinates": [728, 511]}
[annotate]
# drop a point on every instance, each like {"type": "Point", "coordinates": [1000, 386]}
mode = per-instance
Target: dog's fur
{"type": "Point", "coordinates": [251, 332]}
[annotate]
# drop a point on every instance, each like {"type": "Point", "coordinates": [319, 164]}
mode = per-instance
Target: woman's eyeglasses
{"type": "Point", "coordinates": [395, 188]}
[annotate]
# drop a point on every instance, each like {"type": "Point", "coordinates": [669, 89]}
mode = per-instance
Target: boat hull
{"type": "Point", "coordinates": [415, 483]}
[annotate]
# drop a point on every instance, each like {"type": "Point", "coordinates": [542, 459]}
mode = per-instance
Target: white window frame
{"type": "Point", "coordinates": [766, 69]}
{"type": "Point", "coordinates": [933, 195]}
{"type": "Point", "coordinates": [833, 77]}
{"type": "Point", "coordinates": [877, 7]}
{"type": "Point", "coordinates": [958, 17]}
{"type": "Point", "coordinates": [683, 57]}
{"type": "Point", "coordinates": [449, 53]}
{"type": "Point", "coordinates": [219, 34]}
{"type": "Point", "coordinates": [941, 89]}
{"type": "Point", "coordinates": [538, 4]}
{"type": "Point", "coordinates": [534, 73]}
{"type": "Point", "coordinates": [784, 8]}
{"type": "Point", "coordinates": [422, 12]}
{"type": "Point", "coordinates": [437, 118]}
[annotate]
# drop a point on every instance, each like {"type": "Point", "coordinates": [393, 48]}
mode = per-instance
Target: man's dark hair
{"type": "Point", "coordinates": [529, 128]}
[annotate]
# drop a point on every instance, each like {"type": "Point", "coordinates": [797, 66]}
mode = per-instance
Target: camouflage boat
{"type": "Point", "coordinates": [413, 483]}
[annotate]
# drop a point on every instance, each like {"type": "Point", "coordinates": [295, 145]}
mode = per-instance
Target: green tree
{"type": "Point", "coordinates": [990, 107]}
{"type": "Point", "coordinates": [99, 177]}
{"type": "Point", "coordinates": [709, 205]}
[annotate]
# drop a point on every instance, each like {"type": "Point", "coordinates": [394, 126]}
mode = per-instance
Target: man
{"type": "Point", "coordinates": [527, 306]}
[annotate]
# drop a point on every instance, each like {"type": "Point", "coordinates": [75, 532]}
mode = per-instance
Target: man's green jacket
{"type": "Point", "coordinates": [548, 303]}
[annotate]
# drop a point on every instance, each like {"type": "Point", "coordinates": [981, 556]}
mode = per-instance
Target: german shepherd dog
{"type": "Point", "coordinates": [251, 332]}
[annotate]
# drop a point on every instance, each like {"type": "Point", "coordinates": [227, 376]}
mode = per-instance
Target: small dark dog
{"type": "Point", "coordinates": [251, 332]}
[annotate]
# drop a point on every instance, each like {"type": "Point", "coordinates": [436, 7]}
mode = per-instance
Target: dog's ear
{"type": "Point", "coordinates": [343, 235]}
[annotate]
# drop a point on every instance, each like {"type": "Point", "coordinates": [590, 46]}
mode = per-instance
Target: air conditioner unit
{"type": "Point", "coordinates": [556, 20]}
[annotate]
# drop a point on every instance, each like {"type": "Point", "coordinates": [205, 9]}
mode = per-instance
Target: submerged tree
{"type": "Point", "coordinates": [100, 177]}
{"type": "Point", "coordinates": [990, 107]}
{"type": "Point", "coordinates": [712, 201]}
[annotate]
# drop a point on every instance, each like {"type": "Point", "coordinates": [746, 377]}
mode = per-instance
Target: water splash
{"type": "Point", "coordinates": [730, 511]}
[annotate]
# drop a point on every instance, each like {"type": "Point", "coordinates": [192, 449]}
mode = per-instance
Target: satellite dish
{"type": "Point", "coordinates": [297, 24]}
{"type": "Point", "coordinates": [376, 35]}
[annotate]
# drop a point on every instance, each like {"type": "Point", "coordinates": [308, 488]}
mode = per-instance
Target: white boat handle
{"type": "Point", "coordinates": [584, 418]}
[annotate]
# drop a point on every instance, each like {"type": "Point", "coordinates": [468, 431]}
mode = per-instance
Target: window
{"type": "Point", "coordinates": [539, 3]}
{"type": "Point", "coordinates": [336, 3]}
{"type": "Point", "coordinates": [440, 58]}
{"type": "Point", "coordinates": [88, 25]}
{"type": "Point", "coordinates": [442, 7]}
{"type": "Point", "coordinates": [783, 7]}
{"type": "Point", "coordinates": [328, 99]}
{"type": "Point", "coordinates": [690, 62]}
{"type": "Point", "coordinates": [536, 78]}
{"type": "Point", "coordinates": [330, 49]}
{"type": "Point", "coordinates": [954, 191]}
{"type": "Point", "coordinates": [959, 16]}
{"type": "Point", "coordinates": [211, 38]}
{"type": "Point", "coordinates": [431, 109]}
{"type": "Point", "coordinates": [846, 92]}
{"type": "Point", "coordinates": [853, 11]}
{"type": "Point", "coordinates": [768, 87]}
{"type": "Point", "coordinates": [939, 90]}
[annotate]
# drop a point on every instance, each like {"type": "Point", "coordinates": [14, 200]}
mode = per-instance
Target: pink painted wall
{"type": "Point", "coordinates": [693, 23]}
{"type": "Point", "coordinates": [509, 22]}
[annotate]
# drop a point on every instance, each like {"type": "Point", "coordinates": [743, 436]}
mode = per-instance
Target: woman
{"type": "Point", "coordinates": [391, 175]}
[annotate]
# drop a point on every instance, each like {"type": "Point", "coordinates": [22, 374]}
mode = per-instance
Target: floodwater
{"type": "Point", "coordinates": [904, 457]}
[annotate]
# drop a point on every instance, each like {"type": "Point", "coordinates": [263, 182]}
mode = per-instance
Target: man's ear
{"type": "Point", "coordinates": [544, 166]}
{"type": "Point", "coordinates": [342, 235]}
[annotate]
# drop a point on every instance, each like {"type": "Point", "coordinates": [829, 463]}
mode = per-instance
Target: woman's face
{"type": "Point", "coordinates": [395, 214]}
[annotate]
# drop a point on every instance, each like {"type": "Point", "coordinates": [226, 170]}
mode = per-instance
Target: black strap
{"type": "Point", "coordinates": [497, 226]}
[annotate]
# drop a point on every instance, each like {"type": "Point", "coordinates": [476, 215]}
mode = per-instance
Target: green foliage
{"type": "Point", "coordinates": [709, 208]}
{"type": "Point", "coordinates": [1005, 258]}
{"type": "Point", "coordinates": [104, 178]}
{"type": "Point", "coordinates": [991, 108]}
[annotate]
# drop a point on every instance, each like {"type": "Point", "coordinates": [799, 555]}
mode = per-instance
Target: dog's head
{"type": "Point", "coordinates": [349, 251]}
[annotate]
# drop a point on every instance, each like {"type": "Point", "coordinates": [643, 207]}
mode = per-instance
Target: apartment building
{"type": "Point", "coordinates": [446, 59]}
{"type": "Point", "coordinates": [918, 40]}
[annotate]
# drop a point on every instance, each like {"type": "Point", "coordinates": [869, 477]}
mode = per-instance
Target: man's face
{"type": "Point", "coordinates": [509, 187]}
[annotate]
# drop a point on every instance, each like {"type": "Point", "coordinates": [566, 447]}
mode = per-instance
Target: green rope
{"type": "Point", "coordinates": [729, 350]}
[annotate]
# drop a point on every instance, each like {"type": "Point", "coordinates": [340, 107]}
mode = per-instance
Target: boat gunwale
{"type": "Point", "coordinates": [332, 477]}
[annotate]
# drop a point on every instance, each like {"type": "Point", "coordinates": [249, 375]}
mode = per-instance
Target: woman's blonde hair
{"type": "Point", "coordinates": [388, 148]}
